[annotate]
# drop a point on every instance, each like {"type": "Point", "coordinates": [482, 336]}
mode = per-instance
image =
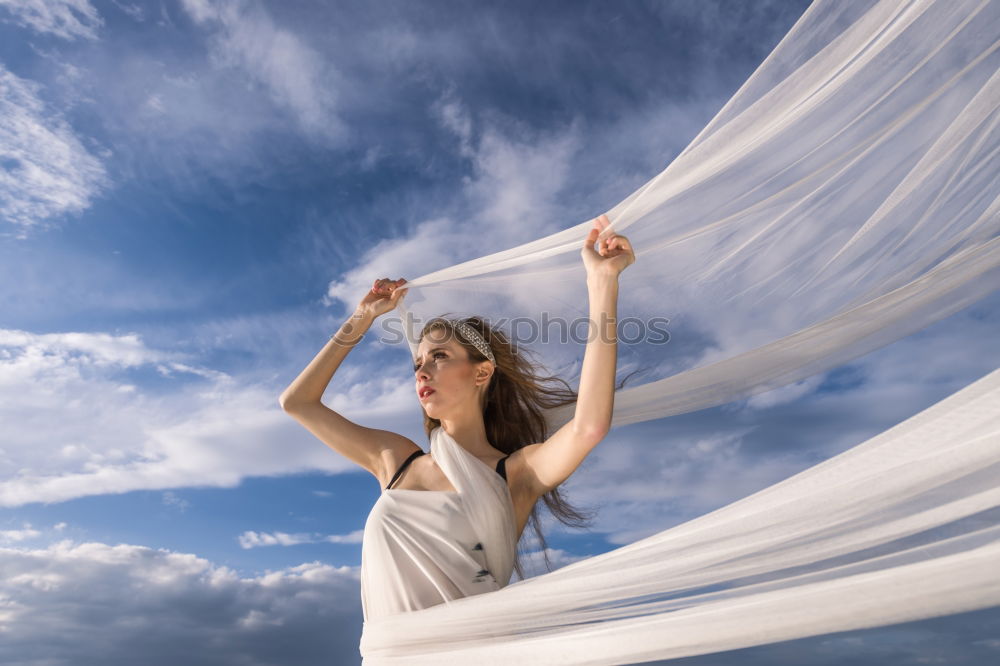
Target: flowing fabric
{"type": "Point", "coordinates": [846, 196]}
{"type": "Point", "coordinates": [902, 527]}
{"type": "Point", "coordinates": [425, 547]}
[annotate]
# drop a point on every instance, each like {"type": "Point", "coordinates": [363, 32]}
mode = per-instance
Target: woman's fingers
{"type": "Point", "coordinates": [602, 222]}
{"type": "Point", "coordinates": [616, 245]}
{"type": "Point", "coordinates": [387, 286]}
{"type": "Point", "coordinates": [611, 245]}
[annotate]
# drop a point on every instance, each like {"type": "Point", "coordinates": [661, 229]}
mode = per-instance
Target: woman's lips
{"type": "Point", "coordinates": [425, 393]}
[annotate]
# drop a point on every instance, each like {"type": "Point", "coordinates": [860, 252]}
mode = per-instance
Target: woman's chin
{"type": "Point", "coordinates": [434, 411]}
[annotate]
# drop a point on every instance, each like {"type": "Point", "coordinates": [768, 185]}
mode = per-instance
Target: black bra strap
{"type": "Point", "coordinates": [502, 467]}
{"type": "Point", "coordinates": [399, 471]}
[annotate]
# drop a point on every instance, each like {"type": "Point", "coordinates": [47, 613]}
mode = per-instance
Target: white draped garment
{"type": "Point", "coordinates": [846, 196]}
{"type": "Point", "coordinates": [426, 547]}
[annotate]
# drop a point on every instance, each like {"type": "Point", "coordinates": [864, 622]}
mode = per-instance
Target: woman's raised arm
{"type": "Point", "coordinates": [302, 398]}
{"type": "Point", "coordinates": [552, 462]}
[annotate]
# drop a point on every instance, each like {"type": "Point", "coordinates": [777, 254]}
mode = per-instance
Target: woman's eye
{"type": "Point", "coordinates": [416, 366]}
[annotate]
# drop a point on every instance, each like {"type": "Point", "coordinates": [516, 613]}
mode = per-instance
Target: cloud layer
{"type": "Point", "coordinates": [183, 425]}
{"type": "Point", "coordinates": [94, 603]}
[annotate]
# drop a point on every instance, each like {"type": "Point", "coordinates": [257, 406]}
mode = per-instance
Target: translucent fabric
{"type": "Point", "coordinates": [846, 196]}
{"type": "Point", "coordinates": [902, 527]}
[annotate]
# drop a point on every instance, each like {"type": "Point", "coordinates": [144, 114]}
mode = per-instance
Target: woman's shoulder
{"type": "Point", "coordinates": [395, 454]}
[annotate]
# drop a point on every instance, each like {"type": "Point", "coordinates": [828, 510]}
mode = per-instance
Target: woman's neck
{"type": "Point", "coordinates": [470, 435]}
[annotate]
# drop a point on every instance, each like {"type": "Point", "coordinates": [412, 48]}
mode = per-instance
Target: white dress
{"type": "Point", "coordinates": [424, 547]}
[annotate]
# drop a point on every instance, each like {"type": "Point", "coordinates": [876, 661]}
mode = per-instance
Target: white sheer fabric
{"type": "Point", "coordinates": [901, 527]}
{"type": "Point", "coordinates": [846, 196]}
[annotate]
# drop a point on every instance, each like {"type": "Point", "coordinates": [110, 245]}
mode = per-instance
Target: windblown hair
{"type": "Point", "coordinates": [513, 412]}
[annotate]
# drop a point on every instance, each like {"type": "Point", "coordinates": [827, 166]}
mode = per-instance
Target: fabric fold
{"type": "Point", "coordinates": [846, 196]}
{"type": "Point", "coordinates": [422, 548]}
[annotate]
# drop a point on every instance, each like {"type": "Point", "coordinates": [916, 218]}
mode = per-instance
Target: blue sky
{"type": "Point", "coordinates": [183, 187]}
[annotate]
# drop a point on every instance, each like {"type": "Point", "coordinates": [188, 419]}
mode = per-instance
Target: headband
{"type": "Point", "coordinates": [473, 336]}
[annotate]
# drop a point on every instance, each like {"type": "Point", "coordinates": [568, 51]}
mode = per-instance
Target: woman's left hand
{"type": "Point", "coordinates": [614, 253]}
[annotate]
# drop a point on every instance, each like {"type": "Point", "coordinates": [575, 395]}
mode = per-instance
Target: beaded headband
{"type": "Point", "coordinates": [473, 336]}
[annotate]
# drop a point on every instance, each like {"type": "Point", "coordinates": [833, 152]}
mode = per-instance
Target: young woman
{"type": "Point", "coordinates": [447, 524]}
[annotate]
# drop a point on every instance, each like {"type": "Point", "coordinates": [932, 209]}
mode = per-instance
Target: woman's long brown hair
{"type": "Point", "coordinates": [513, 412]}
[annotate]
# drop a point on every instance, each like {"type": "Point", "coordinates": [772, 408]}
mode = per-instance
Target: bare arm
{"type": "Point", "coordinates": [368, 447]}
{"type": "Point", "coordinates": [551, 462]}
{"type": "Point", "coordinates": [311, 383]}
{"type": "Point", "coordinates": [596, 396]}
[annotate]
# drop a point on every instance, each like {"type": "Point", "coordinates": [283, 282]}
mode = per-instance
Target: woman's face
{"type": "Point", "coordinates": [443, 364]}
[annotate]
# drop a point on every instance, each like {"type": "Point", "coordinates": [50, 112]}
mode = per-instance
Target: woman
{"type": "Point", "coordinates": [447, 524]}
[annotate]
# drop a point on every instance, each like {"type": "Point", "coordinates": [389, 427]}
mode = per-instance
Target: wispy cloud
{"type": "Point", "coordinates": [24, 534]}
{"type": "Point", "coordinates": [45, 169]}
{"type": "Point", "coordinates": [251, 539]}
{"type": "Point", "coordinates": [243, 35]}
{"type": "Point", "coordinates": [510, 196]}
{"type": "Point", "coordinates": [171, 499]}
{"type": "Point", "coordinates": [67, 19]}
{"type": "Point", "coordinates": [533, 562]}
{"type": "Point", "coordinates": [131, 9]}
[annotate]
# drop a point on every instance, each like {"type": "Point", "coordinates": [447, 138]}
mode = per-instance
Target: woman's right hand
{"type": "Point", "coordinates": [383, 296]}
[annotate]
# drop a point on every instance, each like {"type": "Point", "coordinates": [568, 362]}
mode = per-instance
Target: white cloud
{"type": "Point", "coordinates": [517, 183]}
{"type": "Point", "coordinates": [643, 480]}
{"type": "Point", "coordinates": [202, 11]}
{"type": "Point", "coordinates": [133, 10]}
{"type": "Point", "coordinates": [396, 258]}
{"type": "Point", "coordinates": [371, 158]}
{"type": "Point", "coordinates": [93, 603]}
{"type": "Point", "coordinates": [512, 194]}
{"type": "Point", "coordinates": [99, 349]}
{"type": "Point", "coordinates": [12, 536]}
{"type": "Point", "coordinates": [454, 117]}
{"type": "Point", "coordinates": [251, 539]}
{"type": "Point", "coordinates": [67, 19]}
{"type": "Point", "coordinates": [171, 499]}
{"type": "Point", "coordinates": [76, 424]}
{"type": "Point", "coordinates": [45, 170]}
{"type": "Point", "coordinates": [533, 562]}
{"type": "Point", "coordinates": [789, 393]}
{"type": "Point", "coordinates": [244, 36]}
